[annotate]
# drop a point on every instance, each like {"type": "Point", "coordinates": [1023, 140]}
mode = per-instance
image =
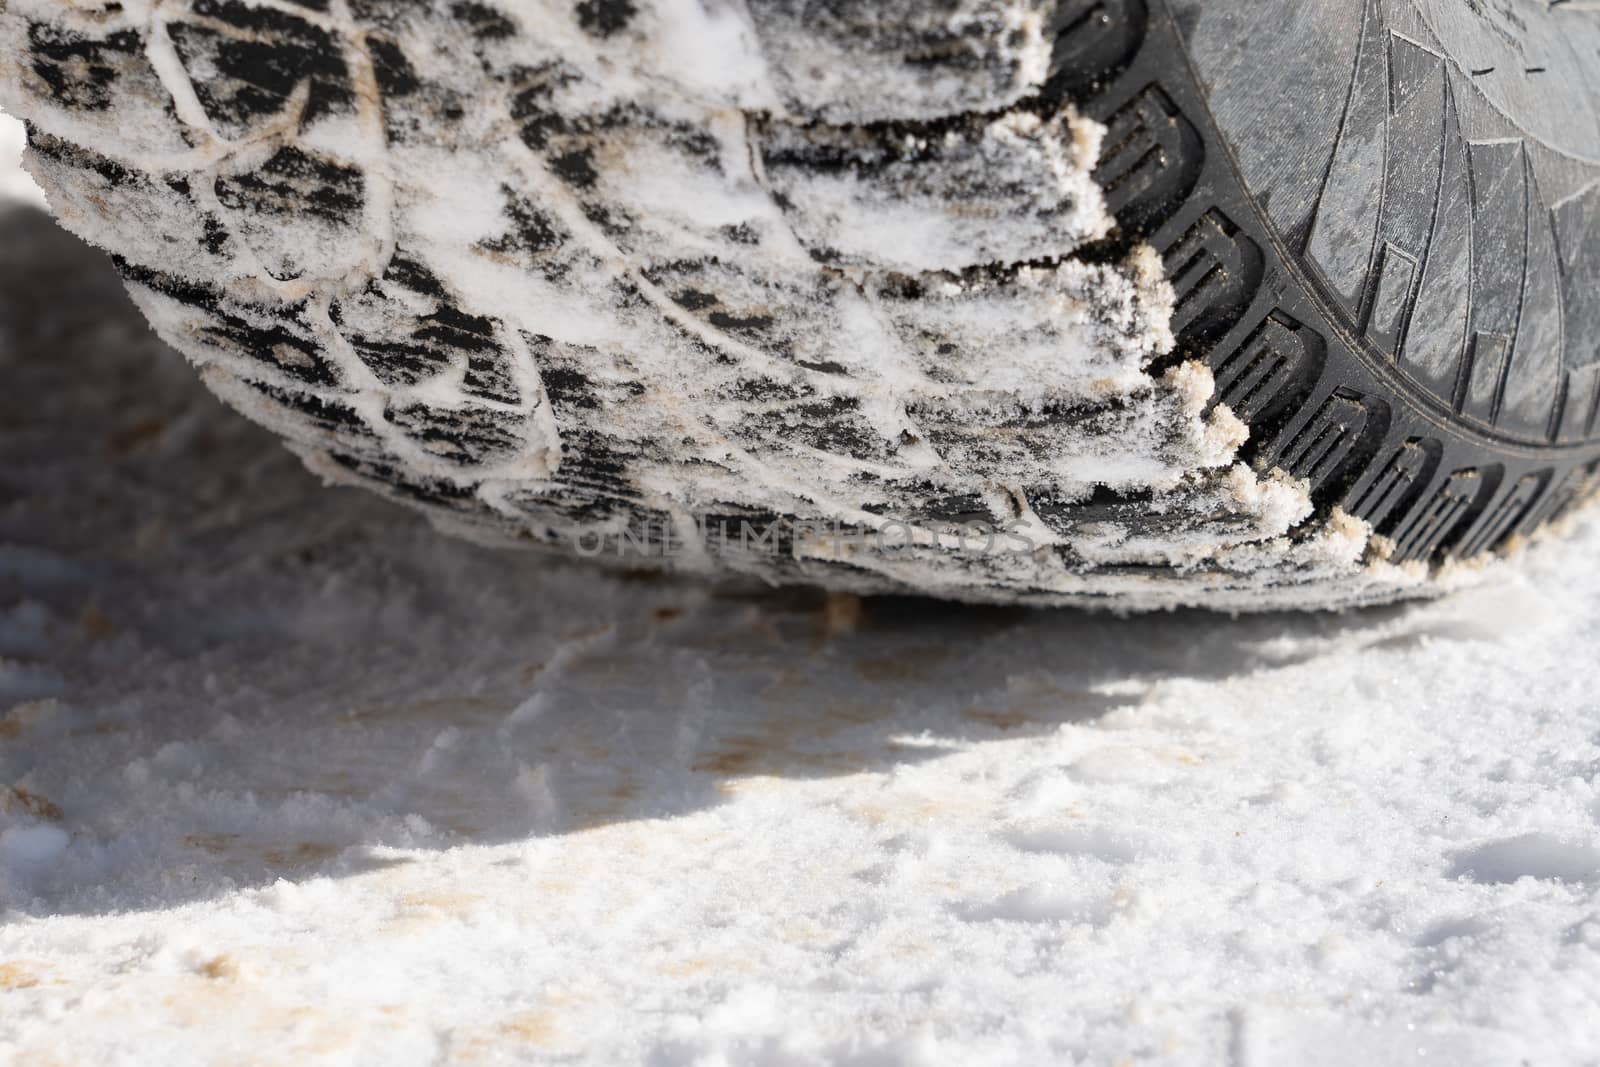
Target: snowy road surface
{"type": "Point", "coordinates": [287, 778]}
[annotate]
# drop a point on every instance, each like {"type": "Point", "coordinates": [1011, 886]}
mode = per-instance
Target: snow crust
{"type": "Point", "coordinates": [286, 777]}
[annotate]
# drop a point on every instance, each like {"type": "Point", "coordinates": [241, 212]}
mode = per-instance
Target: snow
{"type": "Point", "coordinates": [14, 182]}
{"type": "Point", "coordinates": [286, 776]}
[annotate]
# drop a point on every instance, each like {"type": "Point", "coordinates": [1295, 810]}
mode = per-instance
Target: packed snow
{"type": "Point", "coordinates": [287, 777]}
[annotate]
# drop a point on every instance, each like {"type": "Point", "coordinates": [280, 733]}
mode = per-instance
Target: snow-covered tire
{"type": "Point", "coordinates": [1239, 303]}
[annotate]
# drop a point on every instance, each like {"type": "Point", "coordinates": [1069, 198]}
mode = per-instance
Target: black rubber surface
{"type": "Point", "coordinates": [1395, 307]}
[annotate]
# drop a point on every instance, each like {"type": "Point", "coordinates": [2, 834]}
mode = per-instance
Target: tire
{"type": "Point", "coordinates": [1137, 303]}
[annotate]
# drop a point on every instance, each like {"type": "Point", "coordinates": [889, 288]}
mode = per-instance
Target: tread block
{"type": "Point", "coordinates": [1575, 485]}
{"type": "Point", "coordinates": [1342, 433]}
{"type": "Point", "coordinates": [1094, 40]}
{"type": "Point", "coordinates": [1428, 528]}
{"type": "Point", "coordinates": [81, 72]}
{"type": "Point", "coordinates": [1497, 522]}
{"type": "Point", "coordinates": [1150, 160]}
{"type": "Point", "coordinates": [1275, 366]}
{"type": "Point", "coordinates": [1404, 475]}
{"type": "Point", "coordinates": [1215, 271]}
{"type": "Point", "coordinates": [250, 63]}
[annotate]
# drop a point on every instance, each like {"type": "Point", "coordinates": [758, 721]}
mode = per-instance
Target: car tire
{"type": "Point", "coordinates": [1243, 304]}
